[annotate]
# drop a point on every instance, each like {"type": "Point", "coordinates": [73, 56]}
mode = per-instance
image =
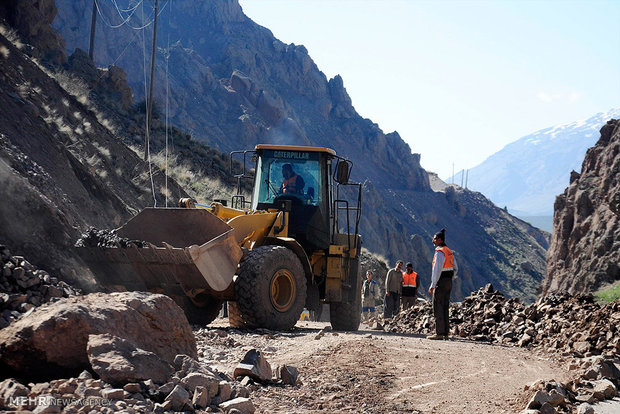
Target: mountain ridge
{"type": "Point", "coordinates": [270, 91]}
{"type": "Point", "coordinates": [527, 174]}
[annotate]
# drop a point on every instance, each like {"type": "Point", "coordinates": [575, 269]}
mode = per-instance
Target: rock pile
{"type": "Point", "coordinates": [191, 386]}
{"type": "Point", "coordinates": [574, 325]}
{"type": "Point", "coordinates": [107, 239]}
{"type": "Point", "coordinates": [596, 379]}
{"type": "Point", "coordinates": [24, 287]}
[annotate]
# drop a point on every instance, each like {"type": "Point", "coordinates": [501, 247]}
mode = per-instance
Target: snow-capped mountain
{"type": "Point", "coordinates": [528, 174]}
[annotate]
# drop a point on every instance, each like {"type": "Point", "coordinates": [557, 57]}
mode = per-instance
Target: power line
{"type": "Point", "coordinates": [126, 19]}
{"type": "Point", "coordinates": [105, 21]}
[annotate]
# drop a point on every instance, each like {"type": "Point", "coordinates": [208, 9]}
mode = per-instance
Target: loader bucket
{"type": "Point", "coordinates": [192, 248]}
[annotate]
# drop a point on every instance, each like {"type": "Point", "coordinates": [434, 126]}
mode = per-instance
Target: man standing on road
{"type": "Point", "coordinates": [444, 268]}
{"type": "Point", "coordinates": [370, 291]}
{"type": "Point", "coordinates": [410, 287]}
{"type": "Point", "coordinates": [393, 287]}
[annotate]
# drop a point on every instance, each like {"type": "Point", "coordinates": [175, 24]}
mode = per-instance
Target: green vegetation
{"type": "Point", "coordinates": [608, 294]}
{"type": "Point", "coordinates": [200, 186]}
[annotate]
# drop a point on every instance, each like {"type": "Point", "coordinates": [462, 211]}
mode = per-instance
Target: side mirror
{"type": "Point", "coordinates": [343, 171]}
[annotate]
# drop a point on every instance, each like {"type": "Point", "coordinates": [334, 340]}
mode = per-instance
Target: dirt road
{"type": "Point", "coordinates": [376, 372]}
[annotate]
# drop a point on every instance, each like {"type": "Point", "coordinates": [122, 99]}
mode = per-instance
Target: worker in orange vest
{"type": "Point", "coordinates": [293, 183]}
{"type": "Point", "coordinates": [410, 287]}
{"type": "Point", "coordinates": [444, 269]}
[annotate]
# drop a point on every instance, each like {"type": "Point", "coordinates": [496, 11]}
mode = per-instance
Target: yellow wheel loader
{"type": "Point", "coordinates": [295, 244]}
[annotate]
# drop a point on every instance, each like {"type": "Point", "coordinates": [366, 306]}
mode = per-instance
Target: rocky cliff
{"type": "Point", "coordinates": [585, 248]}
{"type": "Point", "coordinates": [233, 85]}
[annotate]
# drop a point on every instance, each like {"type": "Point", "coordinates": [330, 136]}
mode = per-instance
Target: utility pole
{"type": "Point", "coordinates": [466, 178]}
{"type": "Point", "coordinates": [93, 23]}
{"type": "Point", "coordinates": [150, 98]}
{"type": "Point", "coordinates": [462, 176]}
{"type": "Point", "coordinates": [452, 173]}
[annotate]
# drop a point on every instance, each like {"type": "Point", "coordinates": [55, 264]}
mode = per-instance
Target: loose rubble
{"type": "Point", "coordinates": [108, 239]}
{"type": "Point", "coordinates": [23, 287]}
{"type": "Point", "coordinates": [126, 370]}
{"type": "Point", "coordinates": [574, 328]}
{"type": "Point", "coordinates": [191, 387]}
{"type": "Point", "coordinates": [574, 325]}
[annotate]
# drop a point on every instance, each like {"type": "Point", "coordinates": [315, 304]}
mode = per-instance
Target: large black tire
{"type": "Point", "coordinates": [346, 316]}
{"type": "Point", "coordinates": [201, 311]}
{"type": "Point", "coordinates": [270, 288]}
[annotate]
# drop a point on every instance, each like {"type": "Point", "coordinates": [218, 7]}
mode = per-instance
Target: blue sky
{"type": "Point", "coordinates": [459, 79]}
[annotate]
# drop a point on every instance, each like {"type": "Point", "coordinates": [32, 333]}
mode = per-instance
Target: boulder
{"type": "Point", "coordinates": [52, 341]}
{"type": "Point", "coordinates": [201, 398]}
{"type": "Point", "coordinates": [585, 408]}
{"type": "Point", "coordinates": [200, 379]}
{"type": "Point", "coordinates": [113, 394]}
{"type": "Point", "coordinates": [541, 398]}
{"type": "Point", "coordinates": [11, 389]}
{"type": "Point", "coordinates": [225, 391]}
{"type": "Point", "coordinates": [178, 398]}
{"type": "Point", "coordinates": [118, 361]}
{"type": "Point", "coordinates": [604, 389]}
{"type": "Point", "coordinates": [255, 366]}
{"type": "Point", "coordinates": [288, 374]}
{"type": "Point", "coordinates": [241, 404]}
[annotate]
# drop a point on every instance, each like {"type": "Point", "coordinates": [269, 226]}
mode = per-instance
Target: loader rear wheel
{"type": "Point", "coordinates": [270, 288]}
{"type": "Point", "coordinates": [346, 316]}
{"type": "Point", "coordinates": [201, 311]}
{"type": "Point", "coordinates": [235, 319]}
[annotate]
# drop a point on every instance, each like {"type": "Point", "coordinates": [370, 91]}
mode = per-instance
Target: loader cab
{"type": "Point", "coordinates": [296, 179]}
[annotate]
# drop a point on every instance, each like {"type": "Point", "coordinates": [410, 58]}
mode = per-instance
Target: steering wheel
{"type": "Point", "coordinates": [283, 197]}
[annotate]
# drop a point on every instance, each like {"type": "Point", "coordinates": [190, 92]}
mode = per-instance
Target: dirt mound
{"type": "Point", "coordinates": [24, 287]}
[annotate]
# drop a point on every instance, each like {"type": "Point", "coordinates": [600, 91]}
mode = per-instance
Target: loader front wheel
{"type": "Point", "coordinates": [201, 311]}
{"type": "Point", "coordinates": [270, 288]}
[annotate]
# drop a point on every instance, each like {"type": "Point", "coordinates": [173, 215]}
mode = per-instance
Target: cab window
{"type": "Point", "coordinates": [288, 173]}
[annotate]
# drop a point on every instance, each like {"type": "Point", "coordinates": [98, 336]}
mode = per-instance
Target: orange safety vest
{"type": "Point", "coordinates": [289, 185]}
{"type": "Point", "coordinates": [448, 263]}
{"type": "Point", "coordinates": [410, 279]}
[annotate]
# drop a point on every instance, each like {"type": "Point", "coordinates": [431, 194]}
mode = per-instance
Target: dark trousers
{"type": "Point", "coordinates": [408, 301]}
{"type": "Point", "coordinates": [391, 305]}
{"type": "Point", "coordinates": [441, 305]}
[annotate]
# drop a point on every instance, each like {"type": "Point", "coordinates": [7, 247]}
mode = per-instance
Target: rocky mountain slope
{"type": "Point", "coordinates": [61, 167]}
{"type": "Point", "coordinates": [233, 84]}
{"type": "Point", "coordinates": [585, 248]}
{"type": "Point", "coordinates": [526, 175]}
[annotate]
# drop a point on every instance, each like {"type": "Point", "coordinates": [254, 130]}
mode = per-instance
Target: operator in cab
{"type": "Point", "coordinates": [293, 183]}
